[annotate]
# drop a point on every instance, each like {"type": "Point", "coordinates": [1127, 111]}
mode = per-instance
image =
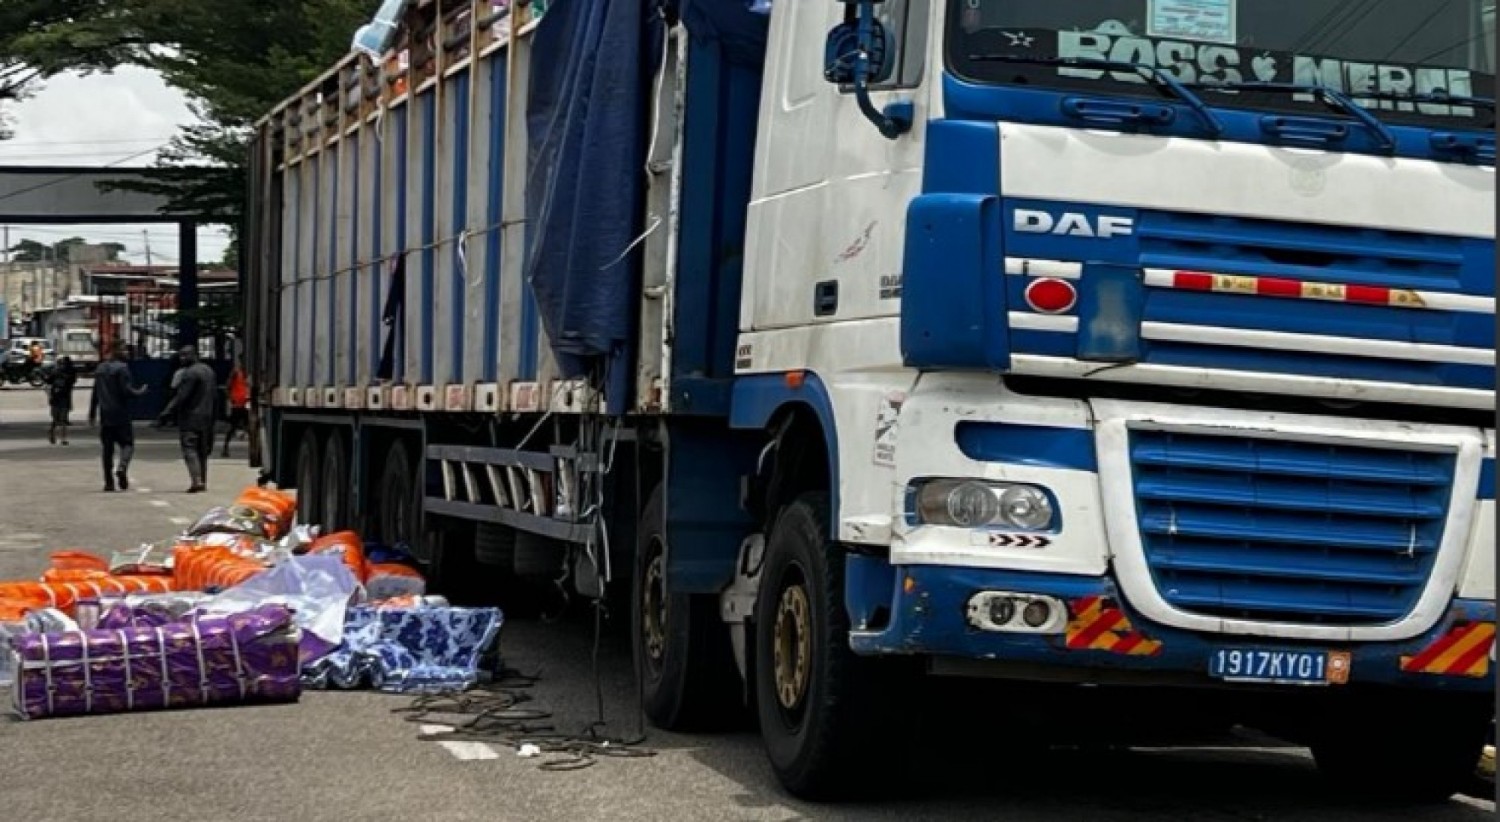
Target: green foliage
{"type": "Point", "coordinates": [31, 251]}
{"type": "Point", "coordinates": [235, 59]}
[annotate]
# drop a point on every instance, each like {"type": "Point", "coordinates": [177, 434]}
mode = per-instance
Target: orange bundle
{"type": "Point", "coordinates": [15, 610]}
{"type": "Point", "coordinates": [278, 507]}
{"type": "Point", "coordinates": [78, 560]}
{"type": "Point", "coordinates": [387, 580]}
{"type": "Point", "coordinates": [196, 569]}
{"type": "Point", "coordinates": [349, 547]}
{"type": "Point", "coordinates": [63, 594]}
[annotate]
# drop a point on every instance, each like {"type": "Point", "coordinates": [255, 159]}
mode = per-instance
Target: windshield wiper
{"type": "Point", "coordinates": [1334, 98]}
{"type": "Point", "coordinates": [1156, 76]}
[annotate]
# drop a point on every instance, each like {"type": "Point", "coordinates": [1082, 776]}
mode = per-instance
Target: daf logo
{"type": "Point", "coordinates": [1068, 224]}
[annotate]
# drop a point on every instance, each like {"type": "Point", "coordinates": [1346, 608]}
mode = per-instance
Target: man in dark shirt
{"type": "Point", "coordinates": [109, 408]}
{"type": "Point", "coordinates": [193, 405]}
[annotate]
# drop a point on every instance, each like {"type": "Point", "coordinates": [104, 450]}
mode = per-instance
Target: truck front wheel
{"type": "Point", "coordinates": [834, 724]}
{"type": "Point", "coordinates": [1420, 748]}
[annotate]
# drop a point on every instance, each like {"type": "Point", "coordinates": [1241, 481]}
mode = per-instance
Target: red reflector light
{"type": "Point", "coordinates": [1048, 295]}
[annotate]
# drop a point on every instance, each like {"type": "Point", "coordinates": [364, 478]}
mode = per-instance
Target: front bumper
{"type": "Point", "coordinates": [922, 610]}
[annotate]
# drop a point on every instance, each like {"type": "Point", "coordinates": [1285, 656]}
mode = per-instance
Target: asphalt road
{"type": "Point", "coordinates": [349, 756]}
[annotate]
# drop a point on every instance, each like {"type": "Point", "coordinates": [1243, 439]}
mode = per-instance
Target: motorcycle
{"type": "Point", "coordinates": [21, 371]}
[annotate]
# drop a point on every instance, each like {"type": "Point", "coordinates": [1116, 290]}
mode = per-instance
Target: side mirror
{"type": "Point", "coordinates": [841, 54]}
{"type": "Point", "coordinates": [858, 53]}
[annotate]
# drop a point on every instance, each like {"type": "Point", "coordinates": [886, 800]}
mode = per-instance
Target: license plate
{"type": "Point", "coordinates": [1280, 667]}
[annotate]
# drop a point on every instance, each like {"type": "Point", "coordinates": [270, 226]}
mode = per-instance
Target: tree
{"type": "Point", "coordinates": [31, 251]}
{"type": "Point", "coordinates": [234, 61]}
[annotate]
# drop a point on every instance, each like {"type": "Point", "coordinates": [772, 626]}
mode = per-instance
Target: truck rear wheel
{"type": "Point", "coordinates": [682, 649]}
{"type": "Point", "coordinates": [834, 724]}
{"type": "Point", "coordinates": [397, 503]}
{"type": "Point", "coordinates": [309, 494]}
{"type": "Point", "coordinates": [335, 482]}
{"type": "Point", "coordinates": [1407, 749]}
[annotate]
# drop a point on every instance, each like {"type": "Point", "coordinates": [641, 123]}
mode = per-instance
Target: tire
{"type": "Point", "coordinates": [834, 725]}
{"type": "Point", "coordinates": [398, 505]}
{"type": "Point", "coordinates": [683, 655]}
{"type": "Point", "coordinates": [1417, 748]}
{"type": "Point", "coordinates": [309, 480]}
{"type": "Point", "coordinates": [36, 380]}
{"type": "Point", "coordinates": [335, 483]}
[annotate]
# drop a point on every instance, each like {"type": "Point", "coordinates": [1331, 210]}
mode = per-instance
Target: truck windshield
{"type": "Point", "coordinates": [1426, 64]}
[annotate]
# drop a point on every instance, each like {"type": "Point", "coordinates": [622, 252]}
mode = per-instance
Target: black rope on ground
{"type": "Point", "coordinates": [494, 714]}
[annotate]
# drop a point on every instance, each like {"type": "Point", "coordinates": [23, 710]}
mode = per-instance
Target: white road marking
{"type": "Point", "coordinates": [471, 750]}
{"type": "Point", "coordinates": [461, 750]}
{"type": "Point", "coordinates": [143, 490]}
{"type": "Point", "coordinates": [1477, 803]}
{"type": "Point", "coordinates": [180, 520]}
{"type": "Point", "coordinates": [161, 503]}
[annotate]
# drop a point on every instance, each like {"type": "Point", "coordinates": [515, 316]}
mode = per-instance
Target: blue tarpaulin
{"type": "Point", "coordinates": [588, 117]}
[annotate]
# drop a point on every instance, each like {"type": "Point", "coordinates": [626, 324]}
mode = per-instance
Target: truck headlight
{"type": "Point", "coordinates": [977, 504]}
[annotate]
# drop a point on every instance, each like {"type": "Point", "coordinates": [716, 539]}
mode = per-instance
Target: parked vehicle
{"type": "Point", "coordinates": [20, 370]}
{"type": "Point", "coordinates": [1074, 348]}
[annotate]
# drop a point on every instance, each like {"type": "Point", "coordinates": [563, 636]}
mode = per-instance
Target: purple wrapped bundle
{"type": "Point", "coordinates": [206, 660]}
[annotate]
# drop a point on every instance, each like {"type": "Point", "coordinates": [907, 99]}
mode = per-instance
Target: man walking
{"type": "Point", "coordinates": [109, 409]}
{"type": "Point", "coordinates": [193, 405]}
{"type": "Point", "coordinates": [239, 405]}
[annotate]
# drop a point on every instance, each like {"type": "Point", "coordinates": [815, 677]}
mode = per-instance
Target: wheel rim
{"type": "Point", "coordinates": [654, 609]}
{"type": "Point", "coordinates": [792, 647]}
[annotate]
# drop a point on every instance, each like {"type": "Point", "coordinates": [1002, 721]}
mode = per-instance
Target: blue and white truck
{"type": "Point", "coordinates": [1137, 347]}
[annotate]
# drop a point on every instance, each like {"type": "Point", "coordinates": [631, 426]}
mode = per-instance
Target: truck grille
{"type": "Point", "coordinates": [1284, 531]}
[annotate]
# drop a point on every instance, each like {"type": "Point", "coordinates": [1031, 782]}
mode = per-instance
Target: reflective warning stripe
{"type": "Point", "coordinates": [1183, 280]}
{"type": "Point", "coordinates": [1098, 625]}
{"type": "Point", "coordinates": [1463, 651]}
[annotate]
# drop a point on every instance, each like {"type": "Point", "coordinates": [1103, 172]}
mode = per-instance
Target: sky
{"type": "Point", "coordinates": [98, 119]}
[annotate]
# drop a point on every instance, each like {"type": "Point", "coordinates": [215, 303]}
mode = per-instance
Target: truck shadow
{"type": "Point", "coordinates": [978, 770]}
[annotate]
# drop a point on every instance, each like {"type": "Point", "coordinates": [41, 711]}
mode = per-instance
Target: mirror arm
{"type": "Point", "coordinates": [896, 120]}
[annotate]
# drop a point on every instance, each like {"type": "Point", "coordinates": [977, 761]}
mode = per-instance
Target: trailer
{"type": "Point", "coordinates": [1066, 347]}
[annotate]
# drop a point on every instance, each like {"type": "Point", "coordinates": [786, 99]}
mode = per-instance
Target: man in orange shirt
{"type": "Point", "coordinates": [239, 405]}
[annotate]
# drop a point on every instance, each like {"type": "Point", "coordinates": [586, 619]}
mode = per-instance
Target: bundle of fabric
{"type": "Point", "coordinates": [149, 610]}
{"type": "Point", "coordinates": [234, 519]}
{"type": "Point", "coordinates": [347, 546]}
{"type": "Point", "coordinates": [388, 580]}
{"type": "Point", "coordinates": [237, 658]}
{"type": "Point", "coordinates": [199, 567]}
{"type": "Point", "coordinates": [317, 589]}
{"type": "Point", "coordinates": [420, 649]}
{"type": "Point", "coordinates": [277, 508]}
{"type": "Point", "coordinates": [65, 588]}
{"type": "Point", "coordinates": [74, 560]}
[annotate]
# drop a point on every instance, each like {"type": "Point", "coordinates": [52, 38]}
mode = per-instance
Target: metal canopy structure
{"type": "Point", "coordinates": [85, 195]}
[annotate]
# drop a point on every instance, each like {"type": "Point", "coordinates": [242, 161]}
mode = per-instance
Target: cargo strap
{"type": "Point", "coordinates": [202, 663]}
{"type": "Point", "coordinates": [129, 681]}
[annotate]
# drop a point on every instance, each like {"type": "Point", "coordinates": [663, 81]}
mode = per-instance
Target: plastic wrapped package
{"type": "Point", "coordinates": [74, 560]}
{"type": "Point", "coordinates": [278, 507]}
{"type": "Point", "coordinates": [409, 650]}
{"type": "Point", "coordinates": [237, 658]}
{"type": "Point", "coordinates": [392, 579]}
{"type": "Point", "coordinates": [347, 546]}
{"type": "Point", "coordinates": [232, 519]}
{"type": "Point", "coordinates": [149, 610]}
{"type": "Point", "coordinates": [63, 595]}
{"type": "Point", "coordinates": [198, 568]}
{"type": "Point", "coordinates": [299, 539]}
{"type": "Point", "coordinates": [402, 602]}
{"type": "Point", "coordinates": [149, 558]}
{"type": "Point", "coordinates": [317, 588]}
